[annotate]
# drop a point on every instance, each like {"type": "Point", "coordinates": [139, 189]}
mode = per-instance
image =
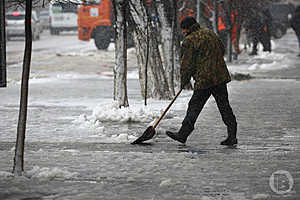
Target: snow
{"type": "Point", "coordinates": [46, 173]}
{"type": "Point", "coordinates": [66, 134]}
{"type": "Point", "coordinates": [6, 175]}
{"type": "Point", "coordinates": [108, 111]}
{"type": "Point", "coordinates": [264, 61]}
{"type": "Point", "coordinates": [95, 125]}
{"type": "Point", "coordinates": [134, 113]}
{"type": "Point", "coordinates": [167, 183]}
{"type": "Point", "coordinates": [42, 173]}
{"type": "Point", "coordinates": [74, 151]}
{"type": "Point", "coordinates": [260, 196]}
{"type": "Point", "coordinates": [274, 61]}
{"type": "Point", "coordinates": [58, 78]}
{"type": "Point", "coordinates": [137, 112]}
{"type": "Point", "coordinates": [269, 66]}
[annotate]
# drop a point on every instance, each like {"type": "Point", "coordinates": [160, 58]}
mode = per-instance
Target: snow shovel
{"type": "Point", "coordinates": [150, 131]}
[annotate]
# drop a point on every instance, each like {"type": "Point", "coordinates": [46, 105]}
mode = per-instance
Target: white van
{"type": "Point", "coordinates": [62, 17]}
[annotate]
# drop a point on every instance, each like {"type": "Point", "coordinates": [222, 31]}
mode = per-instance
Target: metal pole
{"type": "Point", "coordinates": [3, 81]}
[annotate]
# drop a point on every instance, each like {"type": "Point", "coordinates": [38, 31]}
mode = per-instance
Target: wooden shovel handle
{"type": "Point", "coordinates": [166, 110]}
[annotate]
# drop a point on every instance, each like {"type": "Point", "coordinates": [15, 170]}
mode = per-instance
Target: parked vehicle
{"type": "Point", "coordinates": [95, 21]}
{"type": "Point", "coordinates": [15, 25]}
{"type": "Point", "coordinates": [62, 17]}
{"type": "Point", "coordinates": [44, 18]}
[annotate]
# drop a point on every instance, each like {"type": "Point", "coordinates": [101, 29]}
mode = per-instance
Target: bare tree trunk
{"type": "Point", "coordinates": [120, 69]}
{"type": "Point", "coordinates": [202, 18]}
{"type": "Point", "coordinates": [2, 45]}
{"type": "Point", "coordinates": [228, 9]}
{"type": "Point", "coordinates": [18, 167]}
{"type": "Point", "coordinates": [158, 84]}
{"type": "Point", "coordinates": [176, 61]}
{"type": "Point", "coordinates": [216, 17]}
{"type": "Point", "coordinates": [238, 35]}
{"type": "Point", "coordinates": [165, 12]}
{"type": "Point", "coordinates": [176, 45]}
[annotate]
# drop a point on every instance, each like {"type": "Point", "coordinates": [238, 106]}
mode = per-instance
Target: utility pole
{"type": "Point", "coordinates": [3, 81]}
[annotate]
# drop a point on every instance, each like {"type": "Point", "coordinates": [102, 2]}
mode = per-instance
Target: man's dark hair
{"type": "Point", "coordinates": [187, 22]}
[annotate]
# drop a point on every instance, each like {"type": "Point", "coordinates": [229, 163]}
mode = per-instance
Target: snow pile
{"type": "Point", "coordinates": [278, 61]}
{"type": "Point", "coordinates": [46, 173]}
{"type": "Point", "coordinates": [96, 126]}
{"type": "Point", "coordinates": [111, 47]}
{"type": "Point", "coordinates": [267, 66]}
{"type": "Point", "coordinates": [113, 113]}
{"type": "Point", "coordinates": [6, 175]}
{"type": "Point", "coordinates": [263, 61]}
{"type": "Point", "coordinates": [167, 183]}
{"type": "Point", "coordinates": [97, 130]}
{"type": "Point", "coordinates": [85, 122]}
{"type": "Point", "coordinates": [75, 54]}
{"type": "Point", "coordinates": [270, 55]}
{"type": "Point", "coordinates": [117, 138]}
{"type": "Point", "coordinates": [72, 76]}
{"type": "Point", "coordinates": [132, 75]}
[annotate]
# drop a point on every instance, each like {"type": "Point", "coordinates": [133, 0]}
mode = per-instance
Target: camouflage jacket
{"type": "Point", "coordinates": [202, 57]}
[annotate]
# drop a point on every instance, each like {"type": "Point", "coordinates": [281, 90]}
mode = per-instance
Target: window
{"type": "Point", "coordinates": [65, 7]}
{"type": "Point", "coordinates": [15, 16]}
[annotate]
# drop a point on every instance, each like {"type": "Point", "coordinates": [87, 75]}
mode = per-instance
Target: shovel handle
{"type": "Point", "coordinates": [166, 110]}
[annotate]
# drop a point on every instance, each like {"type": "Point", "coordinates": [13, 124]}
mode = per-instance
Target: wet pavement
{"type": "Point", "coordinates": [268, 115]}
{"type": "Point", "coordinates": [264, 165]}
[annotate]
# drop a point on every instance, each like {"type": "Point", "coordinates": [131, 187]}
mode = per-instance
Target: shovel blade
{"type": "Point", "coordinates": [147, 135]}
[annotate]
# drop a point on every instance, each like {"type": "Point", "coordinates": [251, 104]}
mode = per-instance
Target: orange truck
{"type": "Point", "coordinates": [95, 21]}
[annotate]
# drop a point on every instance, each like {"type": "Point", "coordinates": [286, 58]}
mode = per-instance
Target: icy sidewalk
{"type": "Point", "coordinates": [78, 145]}
{"type": "Point", "coordinates": [282, 58]}
{"type": "Point", "coordinates": [268, 142]}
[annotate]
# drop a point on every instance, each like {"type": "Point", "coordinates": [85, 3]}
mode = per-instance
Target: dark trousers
{"type": "Point", "coordinates": [264, 38]}
{"type": "Point", "coordinates": [197, 103]}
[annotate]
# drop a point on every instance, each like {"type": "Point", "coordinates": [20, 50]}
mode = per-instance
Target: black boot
{"type": "Point", "coordinates": [229, 141]}
{"type": "Point", "coordinates": [253, 53]}
{"type": "Point", "coordinates": [231, 138]}
{"type": "Point", "coordinates": [176, 136]}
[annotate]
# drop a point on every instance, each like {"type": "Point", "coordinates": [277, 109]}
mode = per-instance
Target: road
{"type": "Point", "coordinates": [53, 55]}
{"type": "Point", "coordinates": [64, 42]}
